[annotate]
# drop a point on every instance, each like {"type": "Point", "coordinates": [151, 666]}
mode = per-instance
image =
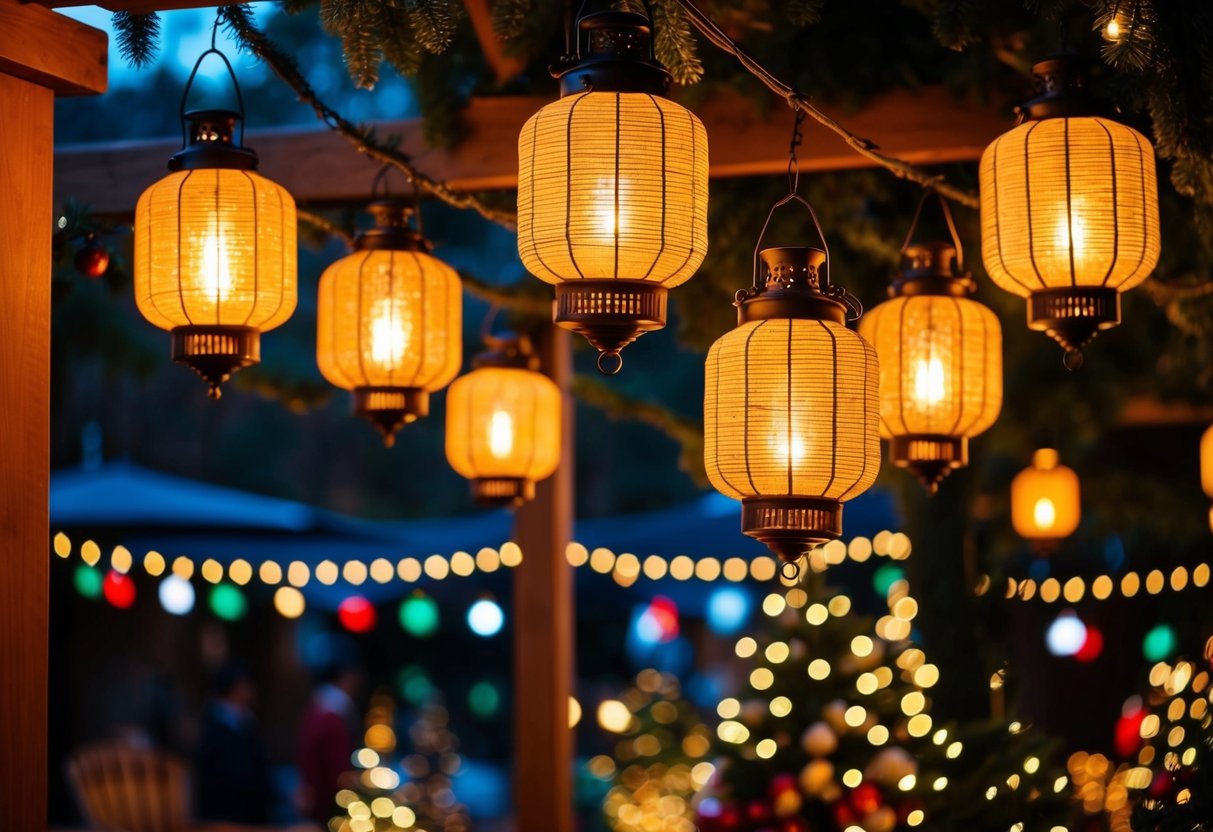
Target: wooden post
{"type": "Point", "coordinates": [41, 53]}
{"type": "Point", "coordinates": [543, 630]}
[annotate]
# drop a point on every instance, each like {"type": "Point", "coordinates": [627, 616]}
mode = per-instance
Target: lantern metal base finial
{"type": "Point", "coordinates": [390, 408]}
{"type": "Point", "coordinates": [216, 352]}
{"type": "Point", "coordinates": [502, 491]}
{"type": "Point", "coordinates": [1073, 316]}
{"type": "Point", "coordinates": [791, 526]}
{"type": "Point", "coordinates": [930, 457]}
{"type": "Point", "coordinates": [610, 314]}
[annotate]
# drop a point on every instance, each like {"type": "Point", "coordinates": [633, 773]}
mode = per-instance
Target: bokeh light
{"type": "Point", "coordinates": [228, 602]}
{"type": "Point", "coordinates": [87, 581]}
{"type": "Point", "coordinates": [1066, 634]}
{"type": "Point", "coordinates": [728, 610]}
{"type": "Point", "coordinates": [1159, 642]}
{"type": "Point", "coordinates": [356, 614]}
{"type": "Point", "coordinates": [419, 615]}
{"type": "Point", "coordinates": [485, 618]}
{"type": "Point", "coordinates": [119, 590]}
{"type": "Point", "coordinates": [176, 595]}
{"type": "Point", "coordinates": [484, 699]}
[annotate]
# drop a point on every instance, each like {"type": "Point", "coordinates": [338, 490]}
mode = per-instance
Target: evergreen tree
{"type": "Point", "coordinates": [834, 730]}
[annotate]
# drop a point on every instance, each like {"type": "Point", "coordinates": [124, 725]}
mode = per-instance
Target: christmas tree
{"type": "Point", "coordinates": [834, 731]}
{"type": "Point", "coordinates": [379, 800]}
{"type": "Point", "coordinates": [660, 760]}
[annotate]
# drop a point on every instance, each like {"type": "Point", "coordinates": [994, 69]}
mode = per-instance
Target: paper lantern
{"type": "Point", "coordinates": [1206, 467]}
{"type": "Point", "coordinates": [214, 247]}
{"type": "Point", "coordinates": [504, 424]}
{"type": "Point", "coordinates": [940, 362]}
{"type": "Point", "coordinates": [612, 188]}
{"type": "Point", "coordinates": [791, 415]}
{"type": "Point", "coordinates": [389, 321]}
{"type": "Point", "coordinates": [1045, 500]}
{"type": "Point", "coordinates": [1069, 209]}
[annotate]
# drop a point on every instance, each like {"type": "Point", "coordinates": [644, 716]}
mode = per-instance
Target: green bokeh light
{"type": "Point", "coordinates": [88, 581]}
{"type": "Point", "coordinates": [228, 602]}
{"type": "Point", "coordinates": [484, 699]}
{"type": "Point", "coordinates": [414, 684]}
{"type": "Point", "coordinates": [885, 577]}
{"type": "Point", "coordinates": [419, 615]}
{"type": "Point", "coordinates": [1159, 643]}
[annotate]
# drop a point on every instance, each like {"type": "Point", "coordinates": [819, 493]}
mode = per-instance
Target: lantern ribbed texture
{"type": "Point", "coordinates": [1206, 461]}
{"type": "Point", "coordinates": [215, 247]}
{"type": "Point", "coordinates": [1069, 202]}
{"type": "Point", "coordinates": [613, 185]}
{"type": "Point", "coordinates": [940, 365]}
{"type": "Point", "coordinates": [790, 408]}
{"type": "Point", "coordinates": [1045, 499]}
{"type": "Point", "coordinates": [503, 422]}
{"type": "Point", "coordinates": [389, 319]}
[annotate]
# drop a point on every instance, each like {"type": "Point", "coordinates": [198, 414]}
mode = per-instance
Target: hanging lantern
{"type": "Point", "coordinates": [1045, 500]}
{"type": "Point", "coordinates": [940, 359]}
{"type": "Point", "coordinates": [790, 408]}
{"type": "Point", "coordinates": [1206, 467]}
{"type": "Point", "coordinates": [612, 188]}
{"type": "Point", "coordinates": [503, 424]}
{"type": "Point", "coordinates": [214, 246]}
{"type": "Point", "coordinates": [1069, 209]}
{"type": "Point", "coordinates": [389, 321]}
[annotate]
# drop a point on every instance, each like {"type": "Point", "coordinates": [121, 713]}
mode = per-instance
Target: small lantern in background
{"type": "Point", "coordinates": [214, 246]}
{"type": "Point", "coordinates": [1206, 467]}
{"type": "Point", "coordinates": [389, 321]}
{"type": "Point", "coordinates": [940, 357]}
{"type": "Point", "coordinates": [504, 424]}
{"type": "Point", "coordinates": [1046, 502]}
{"type": "Point", "coordinates": [1069, 209]}
{"type": "Point", "coordinates": [790, 409]}
{"type": "Point", "coordinates": [612, 187]}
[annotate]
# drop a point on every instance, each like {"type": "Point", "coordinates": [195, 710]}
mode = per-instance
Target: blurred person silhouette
{"type": "Point", "coordinates": [328, 735]}
{"type": "Point", "coordinates": [231, 769]}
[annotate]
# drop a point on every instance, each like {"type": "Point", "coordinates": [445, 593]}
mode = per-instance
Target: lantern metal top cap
{"type": "Point", "coordinates": [1061, 82]}
{"type": "Point", "coordinates": [614, 54]}
{"type": "Point", "coordinates": [392, 230]}
{"type": "Point", "coordinates": [513, 351]}
{"type": "Point", "coordinates": [791, 287]}
{"type": "Point", "coordinates": [931, 268]}
{"type": "Point", "coordinates": [210, 142]}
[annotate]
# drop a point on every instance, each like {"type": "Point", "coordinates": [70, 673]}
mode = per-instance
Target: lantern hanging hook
{"type": "Point", "coordinates": [946, 208]}
{"type": "Point", "coordinates": [790, 571]}
{"type": "Point", "coordinates": [185, 94]}
{"type": "Point", "coordinates": [794, 143]}
{"type": "Point", "coordinates": [381, 180]}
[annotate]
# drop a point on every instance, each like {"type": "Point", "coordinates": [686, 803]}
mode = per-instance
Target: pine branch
{"type": "Point", "coordinates": [324, 226]}
{"type": "Point", "coordinates": [434, 22]}
{"type": "Point", "coordinates": [138, 37]}
{"type": "Point", "coordinates": [803, 12]}
{"type": "Point", "coordinates": [510, 18]}
{"type": "Point", "coordinates": [239, 23]}
{"type": "Point", "coordinates": [674, 44]}
{"type": "Point", "coordinates": [864, 147]}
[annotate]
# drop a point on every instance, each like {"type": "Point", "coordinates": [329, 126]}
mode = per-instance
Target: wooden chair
{"type": "Point", "coordinates": [121, 787]}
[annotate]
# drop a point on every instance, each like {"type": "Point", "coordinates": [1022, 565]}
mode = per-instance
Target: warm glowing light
{"type": "Point", "coordinates": [1044, 513]}
{"type": "Point", "coordinates": [929, 381]}
{"type": "Point", "coordinates": [501, 434]}
{"type": "Point", "coordinates": [391, 332]}
{"type": "Point", "coordinates": [614, 716]}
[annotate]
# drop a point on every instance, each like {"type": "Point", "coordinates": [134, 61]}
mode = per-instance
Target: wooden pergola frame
{"type": "Point", "coordinates": [44, 54]}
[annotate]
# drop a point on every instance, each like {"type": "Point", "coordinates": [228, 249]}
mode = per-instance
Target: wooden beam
{"type": "Point", "coordinates": [25, 283]}
{"type": "Point", "coordinates": [53, 51]}
{"type": "Point", "coordinates": [926, 126]}
{"type": "Point", "coordinates": [543, 629]}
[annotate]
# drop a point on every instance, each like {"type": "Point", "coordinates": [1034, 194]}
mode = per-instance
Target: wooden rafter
{"type": "Point", "coordinates": [926, 126]}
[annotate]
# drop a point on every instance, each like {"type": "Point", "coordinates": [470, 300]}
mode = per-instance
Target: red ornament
{"type": "Point", "coordinates": [1092, 647]}
{"type": "Point", "coordinates": [794, 824]}
{"type": "Point", "coordinates": [92, 259]}
{"type": "Point", "coordinates": [1161, 786]}
{"type": "Point", "coordinates": [356, 614]}
{"type": "Point", "coordinates": [866, 798]}
{"type": "Point", "coordinates": [781, 783]}
{"type": "Point", "coordinates": [119, 590]}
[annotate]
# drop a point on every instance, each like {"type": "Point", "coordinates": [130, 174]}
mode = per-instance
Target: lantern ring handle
{"type": "Point", "coordinates": [794, 197]}
{"type": "Point", "coordinates": [946, 208]}
{"type": "Point", "coordinates": [790, 571]}
{"type": "Point", "coordinates": [610, 367]}
{"type": "Point", "coordinates": [190, 83]}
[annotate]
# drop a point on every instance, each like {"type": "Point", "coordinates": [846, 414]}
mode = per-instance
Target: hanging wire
{"type": "Point", "coordinates": [381, 179]}
{"type": "Point", "coordinates": [946, 208]}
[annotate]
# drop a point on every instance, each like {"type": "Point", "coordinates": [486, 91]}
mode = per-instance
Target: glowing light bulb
{"type": "Point", "coordinates": [1071, 235]}
{"type": "Point", "coordinates": [391, 332]}
{"type": "Point", "coordinates": [501, 434]}
{"type": "Point", "coordinates": [787, 447]}
{"type": "Point", "coordinates": [608, 210]}
{"type": "Point", "coordinates": [216, 270]}
{"type": "Point", "coordinates": [1112, 30]}
{"type": "Point", "coordinates": [929, 381]}
{"type": "Point", "coordinates": [1044, 513]}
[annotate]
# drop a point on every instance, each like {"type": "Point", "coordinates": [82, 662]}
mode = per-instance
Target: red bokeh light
{"type": "Point", "coordinates": [1092, 647]}
{"type": "Point", "coordinates": [1127, 737]}
{"type": "Point", "coordinates": [357, 614]}
{"type": "Point", "coordinates": [119, 590]}
{"type": "Point", "coordinates": [663, 612]}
